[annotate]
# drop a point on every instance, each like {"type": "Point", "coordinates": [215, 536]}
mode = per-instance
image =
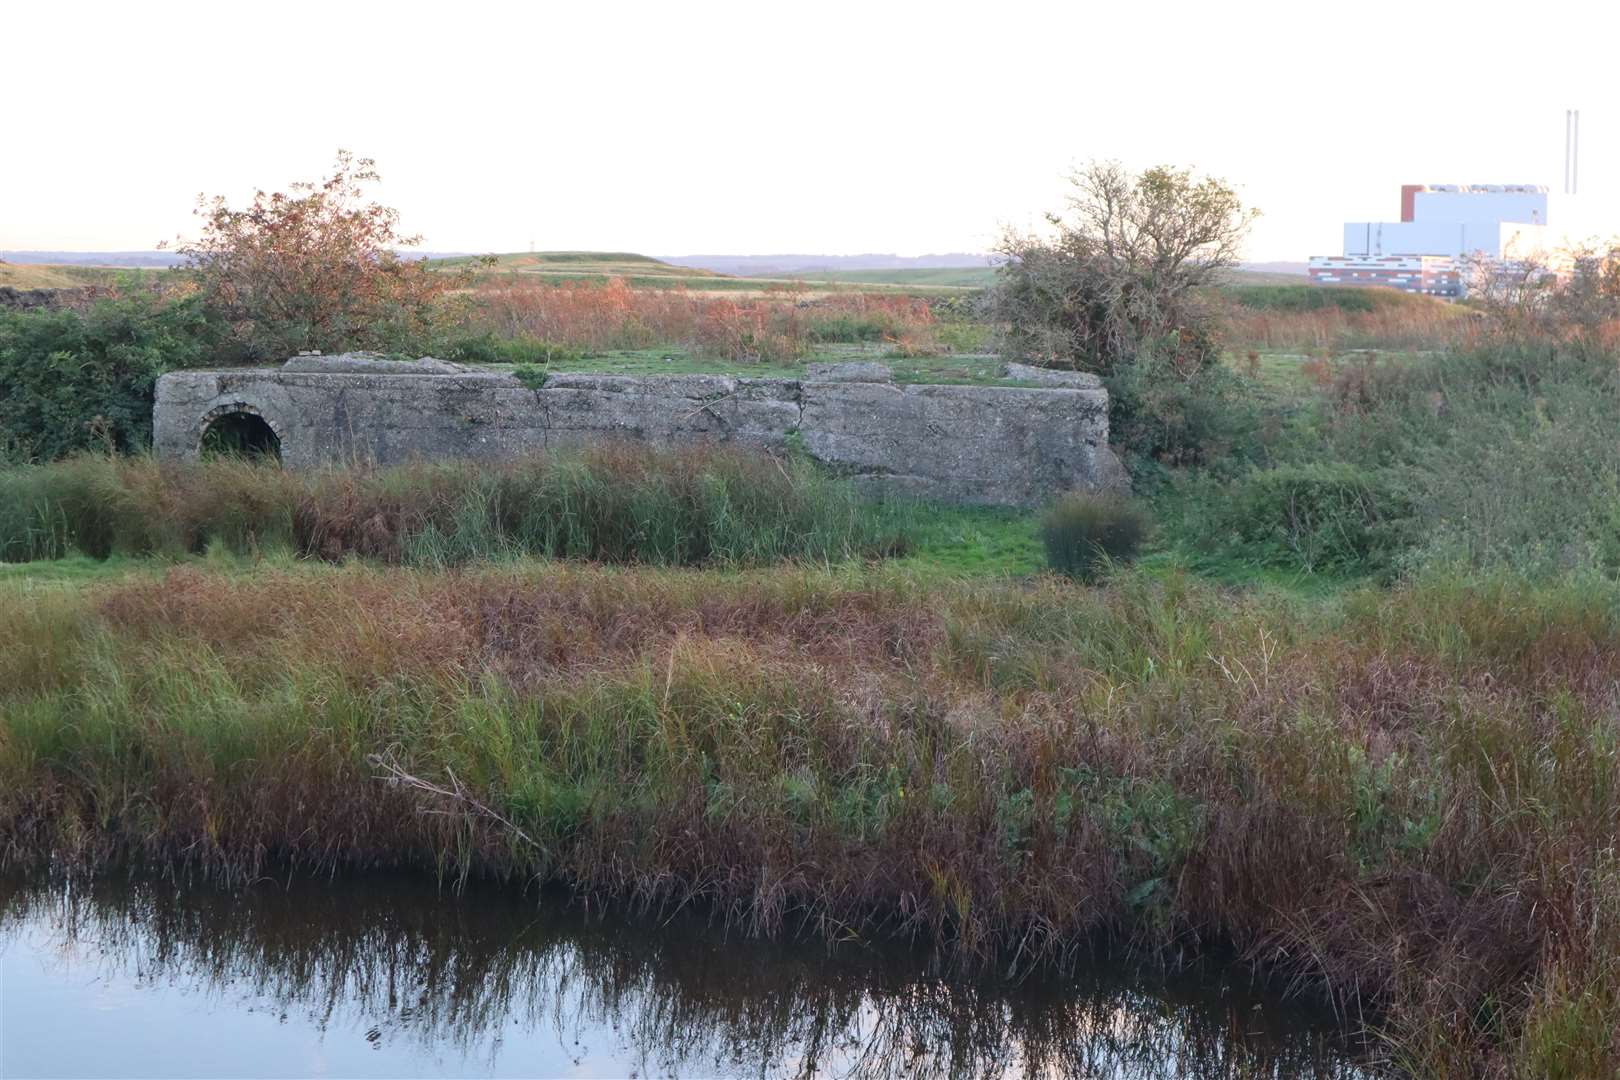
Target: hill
{"type": "Point", "coordinates": [100, 259]}
{"type": "Point", "coordinates": [579, 264]}
{"type": "Point", "coordinates": [961, 277]}
{"type": "Point", "coordinates": [798, 266]}
{"type": "Point", "coordinates": [644, 271]}
{"type": "Point", "coordinates": [43, 276]}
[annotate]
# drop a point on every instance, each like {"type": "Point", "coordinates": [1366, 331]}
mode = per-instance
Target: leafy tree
{"type": "Point", "coordinates": [314, 269]}
{"type": "Point", "coordinates": [1121, 270]}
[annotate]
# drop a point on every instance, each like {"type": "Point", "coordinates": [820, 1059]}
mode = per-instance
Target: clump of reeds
{"type": "Point", "coordinates": [1083, 533]}
{"type": "Point", "coordinates": [608, 505]}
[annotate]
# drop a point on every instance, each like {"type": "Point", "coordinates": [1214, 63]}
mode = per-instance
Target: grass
{"type": "Point", "coordinates": [964, 277]}
{"type": "Point", "coordinates": [981, 369]}
{"type": "Point", "coordinates": [1401, 798]}
{"type": "Point", "coordinates": [563, 268]}
{"type": "Point", "coordinates": [972, 542]}
{"type": "Point", "coordinates": [618, 505]}
{"type": "Point", "coordinates": [47, 276]}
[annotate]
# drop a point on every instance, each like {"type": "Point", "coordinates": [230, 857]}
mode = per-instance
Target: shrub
{"type": "Point", "coordinates": [1124, 270]}
{"type": "Point", "coordinates": [1083, 532]}
{"type": "Point", "coordinates": [1161, 416]}
{"type": "Point", "coordinates": [1318, 516]}
{"type": "Point", "coordinates": [71, 382]}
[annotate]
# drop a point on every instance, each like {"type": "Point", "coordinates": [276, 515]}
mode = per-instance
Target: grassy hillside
{"type": "Point", "coordinates": [557, 267]}
{"type": "Point", "coordinates": [972, 277]}
{"type": "Point", "coordinates": [574, 264]}
{"type": "Point", "coordinates": [643, 271]}
{"type": "Point", "coordinates": [44, 276]}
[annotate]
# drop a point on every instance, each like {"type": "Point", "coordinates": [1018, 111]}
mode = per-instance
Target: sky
{"type": "Point", "coordinates": [758, 128]}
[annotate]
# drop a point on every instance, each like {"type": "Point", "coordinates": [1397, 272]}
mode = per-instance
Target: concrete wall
{"type": "Point", "coordinates": [1482, 205]}
{"type": "Point", "coordinates": [1007, 445]}
{"type": "Point", "coordinates": [1454, 239]}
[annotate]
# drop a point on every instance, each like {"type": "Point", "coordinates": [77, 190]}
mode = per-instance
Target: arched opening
{"type": "Point", "coordinates": [241, 434]}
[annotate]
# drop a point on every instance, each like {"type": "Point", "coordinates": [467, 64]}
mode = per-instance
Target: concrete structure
{"type": "Point", "coordinates": [1442, 227]}
{"type": "Point", "coordinates": [1006, 445]}
{"type": "Point", "coordinates": [1433, 275]}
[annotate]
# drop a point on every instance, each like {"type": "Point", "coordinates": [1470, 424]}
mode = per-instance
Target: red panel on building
{"type": "Point", "coordinates": [1409, 201]}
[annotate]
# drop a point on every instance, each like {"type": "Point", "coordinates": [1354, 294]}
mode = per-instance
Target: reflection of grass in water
{"type": "Point", "coordinates": [399, 954]}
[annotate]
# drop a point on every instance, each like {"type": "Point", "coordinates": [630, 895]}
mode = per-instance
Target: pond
{"type": "Point", "coordinates": [395, 977]}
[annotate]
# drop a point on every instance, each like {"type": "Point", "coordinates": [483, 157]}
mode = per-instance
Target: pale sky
{"type": "Point", "coordinates": [766, 128]}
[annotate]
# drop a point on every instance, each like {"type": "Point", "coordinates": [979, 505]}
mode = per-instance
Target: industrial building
{"type": "Point", "coordinates": [1442, 228]}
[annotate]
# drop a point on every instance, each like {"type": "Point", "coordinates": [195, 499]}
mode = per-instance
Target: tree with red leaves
{"type": "Point", "coordinates": [316, 269]}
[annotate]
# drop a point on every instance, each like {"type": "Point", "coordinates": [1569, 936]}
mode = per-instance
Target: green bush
{"type": "Point", "coordinates": [1316, 516]}
{"type": "Point", "coordinates": [1163, 417]}
{"type": "Point", "coordinates": [71, 382]}
{"type": "Point", "coordinates": [1082, 533]}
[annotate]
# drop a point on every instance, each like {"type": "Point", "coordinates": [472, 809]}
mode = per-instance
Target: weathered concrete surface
{"type": "Point", "coordinates": [1002, 445]}
{"type": "Point", "coordinates": [1078, 380]}
{"type": "Point", "coordinates": [850, 371]}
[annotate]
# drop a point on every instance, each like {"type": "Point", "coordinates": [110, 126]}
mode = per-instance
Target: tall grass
{"type": "Point", "coordinates": [618, 505]}
{"type": "Point", "coordinates": [1311, 318]}
{"type": "Point", "coordinates": [1504, 456]}
{"type": "Point", "coordinates": [1406, 800]}
{"type": "Point", "coordinates": [780, 325]}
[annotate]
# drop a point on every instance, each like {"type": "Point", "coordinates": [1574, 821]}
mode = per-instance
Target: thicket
{"type": "Point", "coordinates": [73, 381]}
{"type": "Point", "coordinates": [607, 505]}
{"type": "Point", "coordinates": [1504, 456]}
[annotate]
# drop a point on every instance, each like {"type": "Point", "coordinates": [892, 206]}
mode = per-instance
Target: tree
{"type": "Point", "coordinates": [315, 269]}
{"type": "Point", "coordinates": [1569, 294]}
{"type": "Point", "coordinates": [1121, 271]}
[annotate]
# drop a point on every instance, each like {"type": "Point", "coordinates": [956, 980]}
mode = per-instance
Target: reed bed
{"type": "Point", "coordinates": [775, 326]}
{"type": "Point", "coordinates": [610, 504]}
{"type": "Point", "coordinates": [1404, 799]}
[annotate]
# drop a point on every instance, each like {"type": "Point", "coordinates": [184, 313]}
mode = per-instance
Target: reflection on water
{"type": "Point", "coordinates": [393, 978]}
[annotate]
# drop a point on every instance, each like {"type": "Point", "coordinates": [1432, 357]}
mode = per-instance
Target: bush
{"type": "Point", "coordinates": [1163, 417]}
{"type": "Point", "coordinates": [71, 382]}
{"type": "Point", "coordinates": [1124, 270]}
{"type": "Point", "coordinates": [1317, 516]}
{"type": "Point", "coordinates": [1083, 532]}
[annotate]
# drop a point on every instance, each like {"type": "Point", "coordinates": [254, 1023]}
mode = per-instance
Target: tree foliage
{"type": "Point", "coordinates": [314, 269]}
{"type": "Point", "coordinates": [1120, 270]}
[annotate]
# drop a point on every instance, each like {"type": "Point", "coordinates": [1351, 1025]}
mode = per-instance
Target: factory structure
{"type": "Point", "coordinates": [1444, 230]}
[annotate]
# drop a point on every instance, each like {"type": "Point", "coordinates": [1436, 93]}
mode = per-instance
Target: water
{"type": "Point", "coordinates": [388, 977]}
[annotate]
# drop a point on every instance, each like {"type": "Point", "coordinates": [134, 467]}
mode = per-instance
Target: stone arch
{"type": "Point", "coordinates": [238, 427]}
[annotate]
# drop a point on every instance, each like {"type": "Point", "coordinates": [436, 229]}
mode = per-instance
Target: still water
{"type": "Point", "coordinates": [389, 977]}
